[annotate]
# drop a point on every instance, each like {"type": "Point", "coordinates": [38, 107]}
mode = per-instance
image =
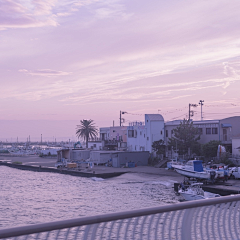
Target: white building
{"type": "Point", "coordinates": [236, 146]}
{"type": "Point", "coordinates": [141, 136]}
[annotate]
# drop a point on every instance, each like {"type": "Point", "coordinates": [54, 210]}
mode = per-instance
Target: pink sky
{"type": "Point", "coordinates": [66, 60]}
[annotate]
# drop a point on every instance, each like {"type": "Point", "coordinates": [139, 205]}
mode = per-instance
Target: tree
{"type": "Point", "coordinates": [159, 147]}
{"type": "Point", "coordinates": [185, 137]}
{"type": "Point", "coordinates": [86, 129]}
{"type": "Point", "coordinates": [209, 149]}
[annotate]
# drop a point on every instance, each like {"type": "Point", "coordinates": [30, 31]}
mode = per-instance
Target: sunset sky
{"type": "Point", "coordinates": [66, 60]}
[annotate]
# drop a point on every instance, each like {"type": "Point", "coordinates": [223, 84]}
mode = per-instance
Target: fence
{"type": "Point", "coordinates": [216, 218]}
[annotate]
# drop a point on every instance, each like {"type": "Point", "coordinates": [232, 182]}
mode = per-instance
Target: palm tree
{"type": "Point", "coordinates": [86, 129]}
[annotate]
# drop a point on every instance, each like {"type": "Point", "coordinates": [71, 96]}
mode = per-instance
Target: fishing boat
{"type": "Point", "coordinates": [194, 169]}
{"type": "Point", "coordinates": [194, 192]}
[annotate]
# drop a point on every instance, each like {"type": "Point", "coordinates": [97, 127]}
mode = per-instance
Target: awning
{"type": "Point", "coordinates": [226, 125]}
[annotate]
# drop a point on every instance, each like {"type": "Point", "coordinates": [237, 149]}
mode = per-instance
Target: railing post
{"type": "Point", "coordinates": [187, 224]}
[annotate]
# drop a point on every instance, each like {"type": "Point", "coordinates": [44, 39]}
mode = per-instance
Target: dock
{"type": "Point", "coordinates": [224, 189]}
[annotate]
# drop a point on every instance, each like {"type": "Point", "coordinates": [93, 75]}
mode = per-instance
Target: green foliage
{"type": "Point", "coordinates": [185, 136]}
{"type": "Point", "coordinates": [159, 146]}
{"type": "Point", "coordinates": [210, 149]}
{"type": "Point", "coordinates": [17, 163]}
{"type": "Point", "coordinates": [86, 129]}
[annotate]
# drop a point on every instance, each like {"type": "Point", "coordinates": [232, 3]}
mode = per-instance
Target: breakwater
{"type": "Point", "coordinates": [62, 171]}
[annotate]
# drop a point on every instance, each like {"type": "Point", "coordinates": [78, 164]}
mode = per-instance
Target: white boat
{"type": "Point", "coordinates": [194, 169]}
{"type": "Point", "coordinates": [195, 192]}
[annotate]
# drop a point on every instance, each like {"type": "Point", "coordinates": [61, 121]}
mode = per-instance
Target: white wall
{"type": "Point", "coordinates": [235, 145]}
{"type": "Point", "coordinates": [137, 143]}
{"type": "Point", "coordinates": [95, 145]}
{"type": "Point", "coordinates": [153, 130]}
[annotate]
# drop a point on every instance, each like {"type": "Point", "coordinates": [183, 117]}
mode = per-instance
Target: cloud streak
{"type": "Point", "coordinates": [45, 72]}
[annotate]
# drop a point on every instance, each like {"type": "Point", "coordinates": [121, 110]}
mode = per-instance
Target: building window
{"type": "Point", "coordinates": [147, 138]}
{"type": "Point", "coordinates": [208, 130]}
{"type": "Point", "coordinates": [144, 135]}
{"type": "Point", "coordinates": [172, 132]}
{"type": "Point", "coordinates": [166, 133]}
{"type": "Point", "coordinates": [214, 131]}
{"type": "Point", "coordinates": [130, 133]}
{"type": "Point", "coordinates": [200, 131]}
{"type": "Point", "coordinates": [161, 132]}
{"type": "Point", "coordinates": [140, 132]}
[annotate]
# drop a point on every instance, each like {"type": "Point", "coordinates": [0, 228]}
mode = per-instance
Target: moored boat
{"type": "Point", "coordinates": [193, 169]}
{"type": "Point", "coordinates": [194, 192]}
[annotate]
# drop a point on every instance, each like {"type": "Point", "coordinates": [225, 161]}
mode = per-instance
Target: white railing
{"type": "Point", "coordinates": [216, 218]}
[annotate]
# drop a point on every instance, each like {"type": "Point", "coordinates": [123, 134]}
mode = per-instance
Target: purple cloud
{"type": "Point", "coordinates": [45, 72]}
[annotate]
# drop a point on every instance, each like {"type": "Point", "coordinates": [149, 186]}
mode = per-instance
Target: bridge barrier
{"type": "Point", "coordinates": [215, 218]}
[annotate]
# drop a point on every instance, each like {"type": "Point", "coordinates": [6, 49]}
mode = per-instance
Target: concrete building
{"type": "Point", "coordinates": [141, 136]}
{"type": "Point", "coordinates": [119, 158]}
{"type": "Point", "coordinates": [114, 138]}
{"type": "Point", "coordinates": [73, 154]}
{"type": "Point", "coordinates": [96, 144]}
{"type": "Point", "coordinates": [236, 146]}
{"type": "Point", "coordinates": [220, 130]}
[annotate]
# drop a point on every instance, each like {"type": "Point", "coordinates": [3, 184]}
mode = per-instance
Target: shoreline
{"type": "Point", "coordinates": [38, 164]}
{"type": "Point", "coordinates": [32, 163]}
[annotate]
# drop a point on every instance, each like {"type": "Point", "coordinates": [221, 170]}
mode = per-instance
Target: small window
{"type": "Point", "coordinates": [130, 133]}
{"type": "Point", "coordinates": [166, 133]}
{"type": "Point", "coordinates": [147, 138]}
{"type": "Point", "coordinates": [172, 132]}
{"type": "Point", "coordinates": [200, 131]}
{"type": "Point", "coordinates": [144, 135]}
{"type": "Point", "coordinates": [161, 132]}
{"type": "Point", "coordinates": [140, 132]}
{"type": "Point", "coordinates": [214, 131]}
{"type": "Point", "coordinates": [208, 130]}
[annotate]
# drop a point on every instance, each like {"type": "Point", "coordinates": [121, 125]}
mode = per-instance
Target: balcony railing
{"type": "Point", "coordinates": [216, 218]}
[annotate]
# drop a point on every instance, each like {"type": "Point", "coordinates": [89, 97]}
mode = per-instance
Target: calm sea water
{"type": "Point", "coordinates": [34, 197]}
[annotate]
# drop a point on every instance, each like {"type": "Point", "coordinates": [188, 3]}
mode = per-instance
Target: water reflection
{"type": "Point", "coordinates": [36, 197]}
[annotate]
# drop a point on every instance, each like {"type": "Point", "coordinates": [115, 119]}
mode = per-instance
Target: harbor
{"type": "Point", "coordinates": [47, 164]}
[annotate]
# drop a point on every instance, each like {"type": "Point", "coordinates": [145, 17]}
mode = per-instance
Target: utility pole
{"type": "Point", "coordinates": [201, 103]}
{"type": "Point", "coordinates": [190, 113]}
{"type": "Point", "coordinates": [121, 117]}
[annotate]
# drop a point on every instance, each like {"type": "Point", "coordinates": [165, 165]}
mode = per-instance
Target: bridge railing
{"type": "Point", "coordinates": [215, 218]}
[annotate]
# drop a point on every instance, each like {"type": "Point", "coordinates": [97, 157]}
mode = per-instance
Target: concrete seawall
{"type": "Point", "coordinates": [62, 171]}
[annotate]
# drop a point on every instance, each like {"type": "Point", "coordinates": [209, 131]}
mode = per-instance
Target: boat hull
{"type": "Point", "coordinates": [193, 174]}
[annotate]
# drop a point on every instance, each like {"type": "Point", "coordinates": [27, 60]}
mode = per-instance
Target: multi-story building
{"type": "Point", "coordinates": [220, 130]}
{"type": "Point", "coordinates": [114, 138]}
{"type": "Point", "coordinates": [141, 136]}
